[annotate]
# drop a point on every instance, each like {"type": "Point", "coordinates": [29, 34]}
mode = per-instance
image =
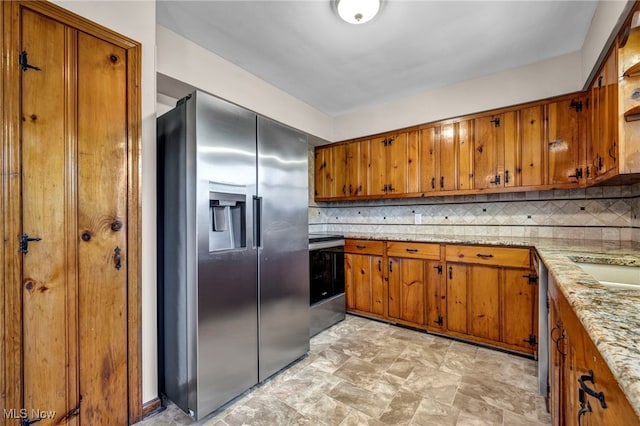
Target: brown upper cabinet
{"type": "Point", "coordinates": [569, 141]}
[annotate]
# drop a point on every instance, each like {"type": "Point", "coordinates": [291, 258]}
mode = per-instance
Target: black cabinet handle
{"type": "Point", "coordinates": [506, 176]}
{"type": "Point", "coordinates": [117, 258]}
{"type": "Point", "coordinates": [562, 337]}
{"type": "Point", "coordinates": [433, 183]}
{"type": "Point", "coordinates": [585, 407]}
{"type": "Point", "coordinates": [390, 266]}
{"type": "Point", "coordinates": [484, 256]}
{"type": "Point", "coordinates": [412, 250]}
{"type": "Point", "coordinates": [450, 273]}
{"type": "Point", "coordinates": [496, 180]}
{"type": "Point", "coordinates": [361, 247]}
{"type": "Point", "coordinates": [598, 395]}
{"type": "Point", "coordinates": [380, 265]}
{"type": "Point", "coordinates": [442, 182]}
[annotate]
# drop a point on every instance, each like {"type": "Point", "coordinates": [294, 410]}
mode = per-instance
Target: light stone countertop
{"type": "Point", "coordinates": [611, 316]}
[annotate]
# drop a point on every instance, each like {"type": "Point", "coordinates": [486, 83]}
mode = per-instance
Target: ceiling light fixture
{"type": "Point", "coordinates": [357, 11]}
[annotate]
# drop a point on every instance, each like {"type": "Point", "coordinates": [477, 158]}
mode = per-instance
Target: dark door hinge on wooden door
{"type": "Point", "coordinates": [532, 340]}
{"type": "Point", "coordinates": [24, 62]}
{"type": "Point", "coordinates": [24, 242]}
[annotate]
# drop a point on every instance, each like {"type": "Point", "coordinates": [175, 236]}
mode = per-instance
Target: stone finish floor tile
{"type": "Point", "coordinates": [364, 372]}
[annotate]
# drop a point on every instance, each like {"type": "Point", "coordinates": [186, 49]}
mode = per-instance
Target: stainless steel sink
{"type": "Point", "coordinates": [616, 276]}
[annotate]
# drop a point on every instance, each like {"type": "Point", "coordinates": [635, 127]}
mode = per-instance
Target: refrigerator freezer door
{"type": "Point", "coordinates": [283, 253]}
{"type": "Point", "coordinates": [227, 344]}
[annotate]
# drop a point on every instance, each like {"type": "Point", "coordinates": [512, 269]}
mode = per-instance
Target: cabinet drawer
{"type": "Point", "coordinates": [489, 255]}
{"type": "Point", "coordinates": [413, 250]}
{"type": "Point", "coordinates": [364, 246]}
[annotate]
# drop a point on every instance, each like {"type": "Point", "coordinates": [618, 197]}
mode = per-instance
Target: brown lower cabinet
{"type": "Point", "coordinates": [582, 389]}
{"type": "Point", "coordinates": [479, 293]}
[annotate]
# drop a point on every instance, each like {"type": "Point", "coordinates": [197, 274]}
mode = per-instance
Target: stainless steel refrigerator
{"type": "Point", "coordinates": [233, 251]}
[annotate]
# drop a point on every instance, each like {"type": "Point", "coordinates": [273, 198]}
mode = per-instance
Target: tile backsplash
{"type": "Point", "coordinates": [598, 213]}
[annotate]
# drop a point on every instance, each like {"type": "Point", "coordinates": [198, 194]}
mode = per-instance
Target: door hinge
{"type": "Point", "coordinates": [439, 321]}
{"type": "Point", "coordinates": [496, 122]}
{"type": "Point", "coordinates": [578, 174]}
{"type": "Point", "coordinates": [532, 340]}
{"type": "Point", "coordinates": [577, 105]}
{"type": "Point", "coordinates": [439, 268]}
{"type": "Point", "coordinates": [24, 242]}
{"type": "Point", "coordinates": [24, 62]}
{"type": "Point", "coordinates": [27, 422]}
{"type": "Point", "coordinates": [533, 279]}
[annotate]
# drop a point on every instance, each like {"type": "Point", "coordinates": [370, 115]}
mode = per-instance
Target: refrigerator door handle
{"type": "Point", "coordinates": [257, 221]}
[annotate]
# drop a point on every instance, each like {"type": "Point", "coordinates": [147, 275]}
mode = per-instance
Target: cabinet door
{"type": "Point", "coordinates": [340, 171]}
{"type": "Point", "coordinates": [483, 302]}
{"type": "Point", "coordinates": [397, 160]}
{"type": "Point", "coordinates": [378, 295]}
{"type": "Point", "coordinates": [436, 295]}
{"type": "Point", "coordinates": [531, 147]}
{"type": "Point", "coordinates": [407, 290]}
{"type": "Point", "coordinates": [556, 365]}
{"type": "Point", "coordinates": [603, 151]}
{"type": "Point", "coordinates": [447, 158]}
{"type": "Point", "coordinates": [429, 138]}
{"type": "Point", "coordinates": [519, 309]}
{"type": "Point", "coordinates": [457, 298]}
{"type": "Point", "coordinates": [566, 137]}
{"type": "Point", "coordinates": [413, 162]}
{"type": "Point", "coordinates": [364, 283]}
{"type": "Point", "coordinates": [508, 162]}
{"type": "Point", "coordinates": [321, 174]}
{"type": "Point", "coordinates": [464, 147]}
{"type": "Point", "coordinates": [360, 167]}
{"type": "Point", "coordinates": [488, 144]}
{"type": "Point", "coordinates": [378, 166]}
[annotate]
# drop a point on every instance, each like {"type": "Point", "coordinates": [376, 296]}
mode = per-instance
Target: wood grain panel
{"type": "Point", "coordinates": [364, 246]}
{"type": "Point", "coordinates": [397, 163]}
{"type": "Point", "coordinates": [102, 214]}
{"type": "Point", "coordinates": [413, 162]}
{"type": "Point", "coordinates": [465, 155]}
{"type": "Point", "coordinates": [486, 145]}
{"type": "Point", "coordinates": [509, 150]}
{"type": "Point", "coordinates": [429, 138]}
{"type": "Point", "coordinates": [447, 158]}
{"type": "Point", "coordinates": [47, 283]}
{"type": "Point", "coordinates": [436, 295]}
{"type": "Point", "coordinates": [565, 141]}
{"type": "Point", "coordinates": [412, 291]}
{"type": "Point", "coordinates": [532, 146]}
{"type": "Point", "coordinates": [378, 166]}
{"type": "Point", "coordinates": [320, 168]}
{"type": "Point", "coordinates": [378, 295]}
{"type": "Point", "coordinates": [413, 250]}
{"type": "Point", "coordinates": [457, 297]}
{"type": "Point", "coordinates": [394, 278]}
{"type": "Point", "coordinates": [489, 255]}
{"type": "Point", "coordinates": [519, 308]}
{"type": "Point", "coordinates": [339, 171]}
{"type": "Point", "coordinates": [484, 302]}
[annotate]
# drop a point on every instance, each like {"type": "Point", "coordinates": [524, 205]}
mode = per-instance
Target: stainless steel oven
{"type": "Point", "coordinates": [326, 267]}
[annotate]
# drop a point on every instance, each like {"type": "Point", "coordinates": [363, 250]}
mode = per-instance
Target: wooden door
{"type": "Point", "coordinates": [488, 144]}
{"type": "Point", "coordinates": [519, 308]}
{"type": "Point", "coordinates": [484, 302]}
{"type": "Point", "coordinates": [321, 166]}
{"type": "Point", "coordinates": [378, 165]}
{"type": "Point", "coordinates": [457, 298]}
{"type": "Point", "coordinates": [565, 141]}
{"type": "Point", "coordinates": [436, 295]}
{"type": "Point", "coordinates": [362, 185]}
{"type": "Point", "coordinates": [354, 179]}
{"type": "Point", "coordinates": [447, 158]}
{"type": "Point", "coordinates": [429, 138]}
{"type": "Point", "coordinates": [509, 151]}
{"type": "Point", "coordinates": [339, 171]}
{"type": "Point", "coordinates": [364, 283]}
{"type": "Point", "coordinates": [531, 147]}
{"type": "Point", "coordinates": [77, 135]}
{"type": "Point", "coordinates": [556, 365]}
{"type": "Point", "coordinates": [407, 295]}
{"type": "Point", "coordinates": [397, 164]}
{"type": "Point", "coordinates": [464, 147]}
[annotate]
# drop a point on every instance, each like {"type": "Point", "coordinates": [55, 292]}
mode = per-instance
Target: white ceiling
{"type": "Point", "coordinates": [306, 50]}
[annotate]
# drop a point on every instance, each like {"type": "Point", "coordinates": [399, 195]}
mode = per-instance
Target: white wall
{"type": "Point", "coordinates": [137, 20]}
{"type": "Point", "coordinates": [187, 62]}
{"type": "Point", "coordinates": [528, 83]}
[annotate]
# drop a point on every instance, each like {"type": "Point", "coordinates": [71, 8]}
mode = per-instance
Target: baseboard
{"type": "Point", "coordinates": [151, 407]}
